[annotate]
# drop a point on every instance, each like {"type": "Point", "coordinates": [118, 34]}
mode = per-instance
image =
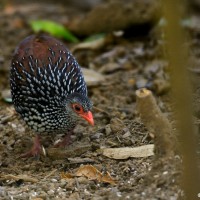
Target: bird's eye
{"type": "Point", "coordinates": [77, 108]}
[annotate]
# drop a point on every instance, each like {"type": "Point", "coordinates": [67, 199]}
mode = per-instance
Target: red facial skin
{"type": "Point", "coordinates": [85, 115]}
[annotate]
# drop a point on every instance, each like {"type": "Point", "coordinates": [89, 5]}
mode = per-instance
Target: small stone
{"type": "Point", "coordinates": [96, 136]}
{"type": "Point", "coordinates": [62, 194]}
{"type": "Point", "coordinates": [51, 192]}
{"type": "Point", "coordinates": [141, 83]}
{"type": "Point", "coordinates": [59, 189]}
{"type": "Point", "coordinates": [70, 184]}
{"type": "Point", "coordinates": [116, 125]}
{"type": "Point", "coordinates": [108, 129]}
{"type": "Point", "coordinates": [14, 126]}
{"type": "Point", "coordinates": [109, 68]}
{"type": "Point", "coordinates": [21, 128]}
{"type": "Point", "coordinates": [54, 180]}
{"type": "Point", "coordinates": [165, 172]}
{"type": "Point", "coordinates": [63, 183]}
{"type": "Point", "coordinates": [92, 77]}
{"type": "Point", "coordinates": [83, 180]}
{"type": "Point", "coordinates": [6, 95]}
{"type": "Point", "coordinates": [127, 134]}
{"type": "Point", "coordinates": [161, 86]}
{"type": "Point", "coordinates": [74, 196]}
{"type": "Point", "coordinates": [11, 142]}
{"type": "Point", "coordinates": [2, 59]}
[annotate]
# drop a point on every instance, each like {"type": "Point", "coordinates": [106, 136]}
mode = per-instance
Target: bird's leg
{"type": "Point", "coordinates": [35, 150]}
{"type": "Point", "coordinates": [65, 141]}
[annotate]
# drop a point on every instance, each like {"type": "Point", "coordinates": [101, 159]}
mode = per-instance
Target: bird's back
{"type": "Point", "coordinates": [42, 67]}
{"type": "Point", "coordinates": [43, 73]}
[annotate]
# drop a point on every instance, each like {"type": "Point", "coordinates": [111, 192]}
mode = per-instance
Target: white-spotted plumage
{"type": "Point", "coordinates": [44, 79]}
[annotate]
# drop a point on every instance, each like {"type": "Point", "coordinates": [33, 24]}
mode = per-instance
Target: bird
{"type": "Point", "coordinates": [48, 89]}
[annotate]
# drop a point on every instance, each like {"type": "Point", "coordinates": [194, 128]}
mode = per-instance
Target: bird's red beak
{"type": "Point", "coordinates": [88, 117]}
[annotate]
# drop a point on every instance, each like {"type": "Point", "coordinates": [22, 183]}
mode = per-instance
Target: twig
{"type": "Point", "coordinates": [100, 110]}
{"type": "Point", "coordinates": [80, 161]}
{"type": "Point", "coordinates": [59, 154]}
{"type": "Point", "coordinates": [6, 119]}
{"type": "Point", "coordinates": [77, 183]}
{"type": "Point", "coordinates": [51, 173]}
{"type": "Point", "coordinates": [23, 177]}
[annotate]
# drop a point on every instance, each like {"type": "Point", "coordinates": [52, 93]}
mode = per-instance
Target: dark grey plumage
{"type": "Point", "coordinates": [46, 81]}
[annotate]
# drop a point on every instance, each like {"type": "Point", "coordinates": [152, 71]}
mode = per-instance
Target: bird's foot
{"type": "Point", "coordinates": [35, 150]}
{"type": "Point", "coordinates": [66, 141]}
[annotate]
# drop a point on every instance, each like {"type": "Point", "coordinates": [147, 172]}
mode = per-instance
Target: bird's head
{"type": "Point", "coordinates": [81, 106]}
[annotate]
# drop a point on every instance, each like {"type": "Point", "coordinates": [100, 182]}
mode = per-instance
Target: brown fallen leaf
{"type": "Point", "coordinates": [126, 152]}
{"type": "Point", "coordinates": [66, 175]}
{"type": "Point", "coordinates": [91, 173]}
{"type": "Point", "coordinates": [94, 174]}
{"type": "Point", "coordinates": [108, 179]}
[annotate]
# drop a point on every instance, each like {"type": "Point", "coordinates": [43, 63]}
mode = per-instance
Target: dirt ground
{"type": "Point", "coordinates": [127, 63]}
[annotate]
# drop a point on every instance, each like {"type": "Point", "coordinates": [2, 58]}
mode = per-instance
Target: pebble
{"type": "Point", "coordinates": [74, 196]}
{"type": "Point", "coordinates": [108, 129]}
{"type": "Point", "coordinates": [43, 194]}
{"type": "Point", "coordinates": [51, 192]}
{"type": "Point", "coordinates": [116, 125]}
{"type": "Point", "coordinates": [62, 194]}
{"type": "Point", "coordinates": [141, 83]}
{"type": "Point", "coordinates": [96, 136]}
{"type": "Point", "coordinates": [109, 68]}
{"type": "Point", "coordinates": [127, 134]}
{"type": "Point", "coordinates": [2, 59]}
{"type": "Point", "coordinates": [165, 172]}
{"type": "Point", "coordinates": [63, 183]}
{"type": "Point", "coordinates": [59, 189]}
{"type": "Point", "coordinates": [83, 180]}
{"type": "Point", "coordinates": [161, 86]}
{"type": "Point", "coordinates": [92, 77]}
{"type": "Point", "coordinates": [70, 184]}
{"type": "Point", "coordinates": [54, 180]}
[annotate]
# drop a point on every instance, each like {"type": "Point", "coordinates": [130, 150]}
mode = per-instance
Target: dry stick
{"type": "Point", "coordinates": [177, 56]}
{"type": "Point", "coordinates": [6, 119]}
{"type": "Point", "coordinates": [50, 174]}
{"type": "Point", "coordinates": [155, 122]}
{"type": "Point", "coordinates": [59, 153]}
{"type": "Point", "coordinates": [23, 177]}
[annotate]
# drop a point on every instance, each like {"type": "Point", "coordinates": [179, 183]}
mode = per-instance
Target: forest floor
{"type": "Point", "coordinates": [126, 64]}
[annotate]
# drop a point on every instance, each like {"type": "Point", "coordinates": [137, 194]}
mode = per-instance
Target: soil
{"type": "Point", "coordinates": [117, 124]}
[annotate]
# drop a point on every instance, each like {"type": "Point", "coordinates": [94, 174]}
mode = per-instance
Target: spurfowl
{"type": "Point", "coordinates": [48, 88]}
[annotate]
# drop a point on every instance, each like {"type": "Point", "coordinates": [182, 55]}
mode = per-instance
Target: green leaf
{"type": "Point", "coordinates": [53, 29]}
